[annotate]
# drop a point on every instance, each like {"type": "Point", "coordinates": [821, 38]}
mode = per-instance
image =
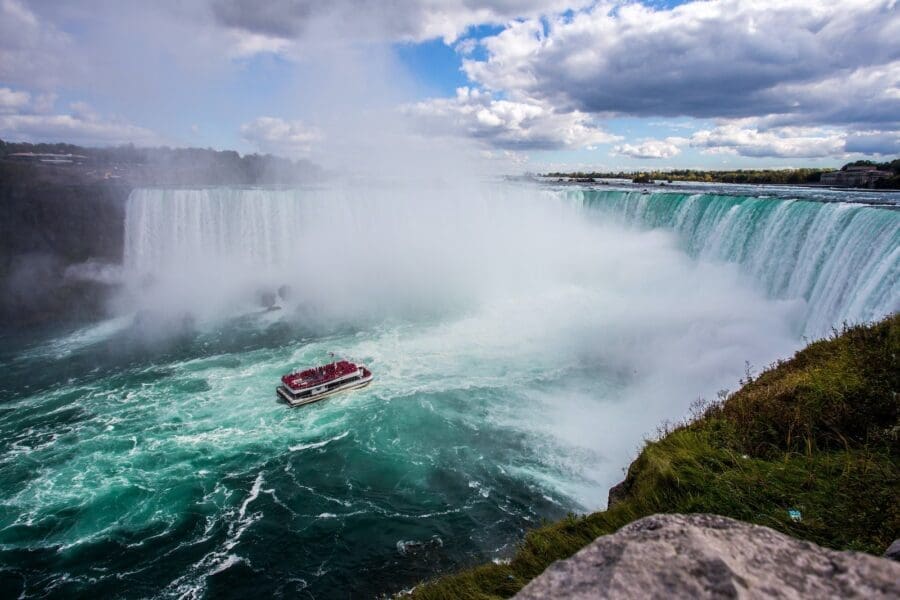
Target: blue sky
{"type": "Point", "coordinates": [530, 84]}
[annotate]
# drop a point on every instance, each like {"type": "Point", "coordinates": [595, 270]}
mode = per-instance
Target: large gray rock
{"type": "Point", "coordinates": [707, 556]}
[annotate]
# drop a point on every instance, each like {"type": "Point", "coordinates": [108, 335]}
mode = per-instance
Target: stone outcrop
{"type": "Point", "coordinates": [617, 493]}
{"type": "Point", "coordinates": [893, 551]}
{"type": "Point", "coordinates": [49, 223]}
{"type": "Point", "coordinates": [707, 556]}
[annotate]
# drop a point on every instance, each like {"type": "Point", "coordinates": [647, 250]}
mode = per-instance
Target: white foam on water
{"type": "Point", "coordinates": [315, 445]}
{"type": "Point", "coordinates": [226, 564]}
{"type": "Point", "coordinates": [192, 583]}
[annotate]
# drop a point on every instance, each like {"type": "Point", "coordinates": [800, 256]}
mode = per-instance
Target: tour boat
{"type": "Point", "coordinates": [312, 385]}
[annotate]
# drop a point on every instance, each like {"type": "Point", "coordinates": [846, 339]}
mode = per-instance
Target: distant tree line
{"type": "Point", "coordinates": [893, 165]}
{"type": "Point", "coordinates": [783, 176]}
{"type": "Point", "coordinates": [167, 165]}
{"type": "Point", "coordinates": [749, 176]}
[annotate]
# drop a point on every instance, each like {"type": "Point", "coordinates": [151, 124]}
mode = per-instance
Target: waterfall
{"type": "Point", "coordinates": [842, 259]}
{"type": "Point", "coordinates": [253, 226]}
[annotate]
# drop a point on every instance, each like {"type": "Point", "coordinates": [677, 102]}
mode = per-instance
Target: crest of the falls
{"type": "Point", "coordinates": [842, 259]}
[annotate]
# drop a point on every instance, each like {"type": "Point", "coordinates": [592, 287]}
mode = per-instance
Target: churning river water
{"type": "Point", "coordinates": [524, 341]}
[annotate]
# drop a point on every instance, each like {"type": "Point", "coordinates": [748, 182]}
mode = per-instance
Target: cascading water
{"type": "Point", "coordinates": [522, 346]}
{"type": "Point", "coordinates": [842, 259]}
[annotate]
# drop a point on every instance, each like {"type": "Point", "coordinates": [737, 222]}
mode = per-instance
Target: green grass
{"type": "Point", "coordinates": [818, 433]}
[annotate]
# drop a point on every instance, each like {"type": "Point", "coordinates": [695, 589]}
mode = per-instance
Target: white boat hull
{"type": "Point", "coordinates": [295, 401]}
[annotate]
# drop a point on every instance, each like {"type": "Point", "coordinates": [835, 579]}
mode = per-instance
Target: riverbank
{"type": "Point", "coordinates": [888, 176]}
{"type": "Point", "coordinates": [809, 448]}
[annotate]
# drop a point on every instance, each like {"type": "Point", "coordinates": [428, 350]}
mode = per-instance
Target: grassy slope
{"type": "Point", "coordinates": [818, 433]}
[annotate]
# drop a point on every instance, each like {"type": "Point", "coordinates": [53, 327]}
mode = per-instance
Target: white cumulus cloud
{"type": "Point", "coordinates": [376, 19]}
{"type": "Point", "coordinates": [73, 129]}
{"type": "Point", "coordinates": [709, 59]}
{"type": "Point", "coordinates": [651, 148]}
{"type": "Point", "coordinates": [512, 125]}
{"type": "Point", "coordinates": [13, 101]}
{"type": "Point", "coordinates": [277, 136]}
{"type": "Point", "coordinates": [23, 118]}
{"type": "Point", "coordinates": [786, 142]}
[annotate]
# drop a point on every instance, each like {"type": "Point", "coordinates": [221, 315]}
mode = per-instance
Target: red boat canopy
{"type": "Point", "coordinates": [318, 375]}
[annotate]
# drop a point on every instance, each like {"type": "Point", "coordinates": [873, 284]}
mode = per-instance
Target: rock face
{"type": "Point", "coordinates": [893, 551]}
{"type": "Point", "coordinates": [707, 556]}
{"type": "Point", "coordinates": [48, 223]}
{"type": "Point", "coordinates": [617, 493]}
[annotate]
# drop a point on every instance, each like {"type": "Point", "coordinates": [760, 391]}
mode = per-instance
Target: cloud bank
{"type": "Point", "coordinates": [377, 19]}
{"type": "Point", "coordinates": [774, 74]}
{"type": "Point", "coordinates": [715, 59]}
{"type": "Point", "coordinates": [757, 79]}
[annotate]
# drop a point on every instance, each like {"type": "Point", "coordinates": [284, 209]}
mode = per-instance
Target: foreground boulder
{"type": "Point", "coordinates": [707, 556]}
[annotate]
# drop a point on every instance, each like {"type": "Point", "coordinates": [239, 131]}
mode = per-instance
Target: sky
{"type": "Point", "coordinates": [528, 85]}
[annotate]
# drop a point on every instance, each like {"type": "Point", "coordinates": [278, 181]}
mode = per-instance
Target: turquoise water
{"type": "Point", "coordinates": [523, 343]}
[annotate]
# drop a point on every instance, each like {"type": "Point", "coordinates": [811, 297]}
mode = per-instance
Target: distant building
{"type": "Point", "coordinates": [855, 176]}
{"type": "Point", "coordinates": [49, 158]}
